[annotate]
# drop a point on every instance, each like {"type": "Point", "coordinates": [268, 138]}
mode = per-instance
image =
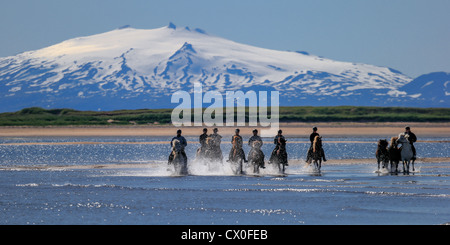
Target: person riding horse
{"type": "Point", "coordinates": [310, 150]}
{"type": "Point", "coordinates": [183, 144]}
{"type": "Point", "coordinates": [252, 139]}
{"type": "Point", "coordinates": [203, 146]}
{"type": "Point", "coordinates": [236, 151]}
{"type": "Point", "coordinates": [412, 138]}
{"type": "Point", "coordinates": [213, 146]}
{"type": "Point", "coordinates": [279, 154]}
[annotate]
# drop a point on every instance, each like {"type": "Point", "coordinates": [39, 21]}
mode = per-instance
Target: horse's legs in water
{"type": "Point", "coordinates": [396, 166]}
{"type": "Point", "coordinates": [405, 166]}
{"type": "Point", "coordinates": [255, 167]}
{"type": "Point", "coordinates": [281, 168]}
{"type": "Point", "coordinates": [317, 164]}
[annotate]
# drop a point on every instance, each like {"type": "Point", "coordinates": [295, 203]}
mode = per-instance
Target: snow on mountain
{"type": "Point", "coordinates": [131, 68]}
{"type": "Point", "coordinates": [433, 87]}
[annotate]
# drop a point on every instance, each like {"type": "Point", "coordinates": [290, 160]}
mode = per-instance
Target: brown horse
{"type": "Point", "coordinates": [382, 153]}
{"type": "Point", "coordinates": [317, 152]}
{"type": "Point", "coordinates": [394, 154]}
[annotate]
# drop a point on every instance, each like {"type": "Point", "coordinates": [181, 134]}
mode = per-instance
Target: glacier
{"type": "Point", "coordinates": [130, 68]}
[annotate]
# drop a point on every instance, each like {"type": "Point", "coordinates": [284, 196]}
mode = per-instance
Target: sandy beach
{"type": "Point", "coordinates": [289, 130]}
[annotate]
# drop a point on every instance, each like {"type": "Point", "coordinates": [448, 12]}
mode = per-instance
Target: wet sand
{"type": "Point", "coordinates": [289, 130]}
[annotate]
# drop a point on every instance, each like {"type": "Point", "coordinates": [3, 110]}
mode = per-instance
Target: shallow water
{"type": "Point", "coordinates": [147, 193]}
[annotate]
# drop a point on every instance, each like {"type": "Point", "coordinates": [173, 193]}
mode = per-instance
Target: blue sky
{"type": "Point", "coordinates": [412, 36]}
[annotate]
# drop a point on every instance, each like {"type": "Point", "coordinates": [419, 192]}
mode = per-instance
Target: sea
{"type": "Point", "coordinates": [126, 180]}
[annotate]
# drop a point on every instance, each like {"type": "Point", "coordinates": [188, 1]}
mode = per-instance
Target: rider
{"type": "Point", "coordinates": [202, 141]}
{"type": "Point", "coordinates": [280, 149]}
{"type": "Point", "coordinates": [255, 137]}
{"type": "Point", "coordinates": [183, 143]}
{"type": "Point", "coordinates": [412, 138]}
{"type": "Point", "coordinates": [236, 142]}
{"type": "Point", "coordinates": [311, 138]}
{"type": "Point", "coordinates": [215, 147]}
{"type": "Point", "coordinates": [202, 137]}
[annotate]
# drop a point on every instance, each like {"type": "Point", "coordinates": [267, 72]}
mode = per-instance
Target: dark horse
{"type": "Point", "coordinates": [256, 156]}
{"type": "Point", "coordinates": [382, 154]}
{"type": "Point", "coordinates": [178, 161]}
{"type": "Point", "coordinates": [211, 151]}
{"type": "Point", "coordinates": [279, 154]}
{"type": "Point", "coordinates": [237, 155]}
{"type": "Point", "coordinates": [394, 154]}
{"type": "Point", "coordinates": [317, 152]}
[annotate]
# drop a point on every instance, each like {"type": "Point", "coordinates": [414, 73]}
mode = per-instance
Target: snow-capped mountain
{"type": "Point", "coordinates": [432, 88]}
{"type": "Point", "coordinates": [131, 68]}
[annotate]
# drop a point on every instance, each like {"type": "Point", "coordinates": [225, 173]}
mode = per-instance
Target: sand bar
{"type": "Point", "coordinates": [381, 130]}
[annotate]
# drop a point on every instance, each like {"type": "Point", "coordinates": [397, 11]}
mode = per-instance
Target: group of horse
{"type": "Point", "coordinates": [393, 154]}
{"type": "Point", "coordinates": [385, 154]}
{"type": "Point", "coordinates": [211, 154]}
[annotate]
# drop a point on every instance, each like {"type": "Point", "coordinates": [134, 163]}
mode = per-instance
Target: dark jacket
{"type": "Point", "coordinates": [412, 137]}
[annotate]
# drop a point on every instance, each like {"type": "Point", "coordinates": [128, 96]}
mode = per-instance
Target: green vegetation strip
{"type": "Point", "coordinates": [36, 116]}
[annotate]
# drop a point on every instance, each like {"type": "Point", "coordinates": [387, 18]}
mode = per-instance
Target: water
{"type": "Point", "coordinates": [126, 181]}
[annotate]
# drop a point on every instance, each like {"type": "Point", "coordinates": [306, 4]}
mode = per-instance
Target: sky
{"type": "Point", "coordinates": [412, 36]}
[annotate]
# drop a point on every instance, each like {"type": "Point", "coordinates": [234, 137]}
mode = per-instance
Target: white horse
{"type": "Point", "coordinates": [406, 153]}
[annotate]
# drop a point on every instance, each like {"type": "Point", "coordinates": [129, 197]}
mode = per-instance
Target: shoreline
{"type": "Point", "coordinates": [336, 129]}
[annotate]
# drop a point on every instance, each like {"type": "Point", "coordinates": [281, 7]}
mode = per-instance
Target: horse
{"type": "Point", "coordinates": [236, 156]}
{"type": "Point", "coordinates": [177, 159]}
{"type": "Point", "coordinates": [406, 152]}
{"type": "Point", "coordinates": [394, 154]}
{"type": "Point", "coordinates": [317, 152]}
{"type": "Point", "coordinates": [256, 156]}
{"type": "Point", "coordinates": [201, 151]}
{"type": "Point", "coordinates": [210, 153]}
{"type": "Point", "coordinates": [213, 152]}
{"type": "Point", "coordinates": [382, 153]}
{"type": "Point", "coordinates": [279, 155]}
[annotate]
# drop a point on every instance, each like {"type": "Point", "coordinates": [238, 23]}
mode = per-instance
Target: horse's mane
{"type": "Point", "coordinates": [394, 141]}
{"type": "Point", "coordinates": [174, 144]}
{"type": "Point", "coordinates": [208, 139]}
{"type": "Point", "coordinates": [235, 139]}
{"type": "Point", "coordinates": [403, 135]}
{"type": "Point", "coordinates": [316, 139]}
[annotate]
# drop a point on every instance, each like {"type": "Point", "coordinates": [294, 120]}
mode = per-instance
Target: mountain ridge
{"type": "Point", "coordinates": [130, 68]}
